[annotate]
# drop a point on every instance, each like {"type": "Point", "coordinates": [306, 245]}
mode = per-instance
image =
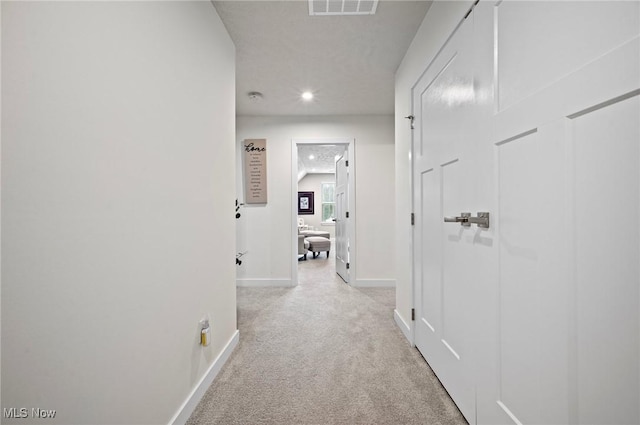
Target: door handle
{"type": "Point", "coordinates": [465, 219]}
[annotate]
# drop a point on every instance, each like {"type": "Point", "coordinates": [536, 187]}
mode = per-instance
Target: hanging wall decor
{"type": "Point", "coordinates": [305, 203]}
{"type": "Point", "coordinates": [254, 155]}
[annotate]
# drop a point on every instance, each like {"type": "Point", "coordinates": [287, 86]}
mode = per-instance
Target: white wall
{"type": "Point", "coordinates": [117, 232]}
{"type": "Point", "coordinates": [439, 23]}
{"type": "Point", "coordinates": [265, 231]}
{"type": "Point", "coordinates": [313, 183]}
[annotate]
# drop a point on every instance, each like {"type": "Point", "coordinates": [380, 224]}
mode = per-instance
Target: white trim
{"type": "Point", "coordinates": [407, 330]}
{"type": "Point", "coordinates": [295, 178]}
{"type": "Point", "coordinates": [186, 409]}
{"type": "Point", "coordinates": [508, 412]}
{"type": "Point", "coordinates": [351, 144]}
{"type": "Point", "coordinates": [323, 222]}
{"type": "Point", "coordinates": [262, 283]}
{"type": "Point", "coordinates": [374, 283]}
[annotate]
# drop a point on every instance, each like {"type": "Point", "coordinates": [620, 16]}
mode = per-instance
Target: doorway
{"type": "Point", "coordinates": [322, 203]}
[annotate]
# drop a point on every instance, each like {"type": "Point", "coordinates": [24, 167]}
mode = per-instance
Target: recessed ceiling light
{"type": "Point", "coordinates": [307, 95]}
{"type": "Point", "coordinates": [311, 157]}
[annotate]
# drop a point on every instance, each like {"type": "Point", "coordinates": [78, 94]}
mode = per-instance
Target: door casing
{"type": "Point", "coordinates": [351, 226]}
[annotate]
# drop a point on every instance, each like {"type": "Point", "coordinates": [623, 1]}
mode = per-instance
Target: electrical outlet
{"type": "Point", "coordinates": [205, 332]}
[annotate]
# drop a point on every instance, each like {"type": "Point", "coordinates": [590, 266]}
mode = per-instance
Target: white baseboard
{"type": "Point", "coordinates": [184, 412]}
{"type": "Point", "coordinates": [261, 283]}
{"type": "Point", "coordinates": [406, 329]}
{"type": "Point", "coordinates": [374, 283]}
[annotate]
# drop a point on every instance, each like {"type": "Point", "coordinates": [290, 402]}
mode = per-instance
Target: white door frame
{"type": "Point", "coordinates": [351, 226]}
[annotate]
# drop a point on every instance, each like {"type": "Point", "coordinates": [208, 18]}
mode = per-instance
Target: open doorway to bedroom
{"type": "Point", "coordinates": [320, 201]}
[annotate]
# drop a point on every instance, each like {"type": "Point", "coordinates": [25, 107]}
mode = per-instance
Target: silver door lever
{"type": "Point", "coordinates": [465, 219]}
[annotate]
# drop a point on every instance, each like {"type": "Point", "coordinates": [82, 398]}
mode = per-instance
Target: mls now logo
{"type": "Point", "coordinates": [23, 412]}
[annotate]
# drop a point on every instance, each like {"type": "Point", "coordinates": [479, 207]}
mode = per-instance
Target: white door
{"type": "Point", "coordinates": [342, 219]}
{"type": "Point", "coordinates": [556, 329]}
{"type": "Point", "coordinates": [445, 184]}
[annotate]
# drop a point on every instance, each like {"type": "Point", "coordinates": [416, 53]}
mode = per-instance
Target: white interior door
{"type": "Point", "coordinates": [547, 141]}
{"type": "Point", "coordinates": [342, 219]}
{"type": "Point", "coordinates": [446, 184]}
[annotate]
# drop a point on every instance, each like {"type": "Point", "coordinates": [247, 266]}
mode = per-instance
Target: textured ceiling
{"type": "Point", "coordinates": [348, 62]}
{"type": "Point", "coordinates": [317, 159]}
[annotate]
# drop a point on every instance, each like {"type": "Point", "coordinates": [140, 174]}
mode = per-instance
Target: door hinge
{"type": "Point", "coordinates": [413, 314]}
{"type": "Point", "coordinates": [413, 219]}
{"type": "Point", "coordinates": [346, 163]}
{"type": "Point", "coordinates": [347, 266]}
{"type": "Point", "coordinates": [347, 214]}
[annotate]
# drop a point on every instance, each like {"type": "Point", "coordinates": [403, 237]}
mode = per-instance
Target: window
{"type": "Point", "coordinates": [328, 202]}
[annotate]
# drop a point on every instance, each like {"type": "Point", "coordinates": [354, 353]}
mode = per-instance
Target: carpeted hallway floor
{"type": "Point", "coordinates": [323, 353]}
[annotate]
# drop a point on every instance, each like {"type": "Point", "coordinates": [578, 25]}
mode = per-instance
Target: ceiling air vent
{"type": "Point", "coordinates": [342, 7]}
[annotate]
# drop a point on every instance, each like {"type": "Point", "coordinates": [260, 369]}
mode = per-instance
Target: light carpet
{"type": "Point", "coordinates": [323, 353]}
